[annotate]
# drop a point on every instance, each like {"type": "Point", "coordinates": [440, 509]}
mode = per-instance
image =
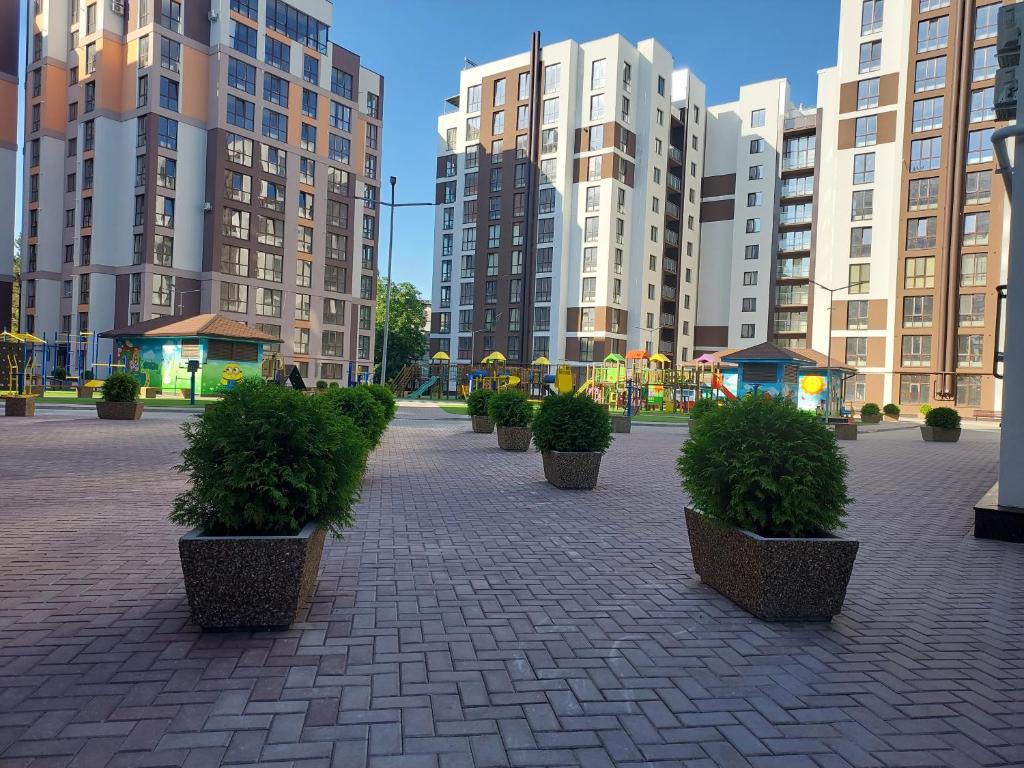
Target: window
{"type": "Point", "coordinates": [863, 204]}
{"type": "Point", "coordinates": [917, 311]}
{"type": "Point", "coordinates": [979, 146]}
{"type": "Point", "coordinates": [923, 194]}
{"type": "Point", "coordinates": [753, 225]}
{"type": "Point", "coordinates": [275, 125]}
{"type": "Point", "coordinates": [867, 93]}
{"type": "Point", "coordinates": [968, 388]}
{"type": "Point", "coordinates": [757, 118]}
{"type": "Point", "coordinates": [751, 252]}
{"type": "Point", "coordinates": [870, 56]}
{"type": "Point", "coordinates": [239, 149]}
{"type": "Point", "coordinates": [971, 310]}
{"type": "Point", "coordinates": [983, 105]}
{"type": "Point", "coordinates": [594, 168]}
{"type": "Point", "coordinates": [919, 272]}
{"type": "Point", "coordinates": [750, 278]}
{"type": "Point", "coordinates": [747, 331]}
{"type": "Point", "coordinates": [589, 288]}
{"type": "Point", "coordinates": [170, 14]}
{"type": "Point", "coordinates": [544, 258]}
{"type": "Point", "coordinates": [311, 69]}
{"type": "Point", "coordinates": [341, 83]}
{"type": "Point", "coordinates": [864, 168]}
{"type": "Point", "coordinates": [923, 6]}
{"type": "Point", "coordinates": [167, 133]}
{"type": "Point", "coordinates": [597, 106]}
{"type": "Point", "coordinates": [241, 75]}
{"type": "Point", "coordinates": [756, 146]}
{"type": "Point", "coordinates": [276, 53]}
{"type": "Point", "coordinates": [234, 297]}
{"type": "Point", "coordinates": [856, 351]}
{"type": "Point", "coordinates": [498, 123]}
{"type": "Point", "coordinates": [552, 78]}
{"type": "Point", "coordinates": [986, 21]}
{"type": "Point", "coordinates": [164, 211]}
{"type": "Point", "coordinates": [916, 352]}
{"type": "Point", "coordinates": [309, 103]}
{"type": "Point", "coordinates": [550, 111]}
{"type": "Point", "coordinates": [755, 199]}
{"type": "Point", "coordinates": [335, 278]}
{"type": "Point", "coordinates": [866, 131]}
{"type": "Point", "coordinates": [473, 98]}
{"type": "Point", "coordinates": [268, 302]}
{"type": "Point", "coordinates": [90, 58]}
{"type": "Point", "coordinates": [985, 63]}
{"type": "Point", "coordinates": [925, 154]}
{"type": "Point", "coordinates": [973, 269]}
{"type": "Point", "coordinates": [914, 389]}
{"type": "Point", "coordinates": [921, 233]}
{"type": "Point", "coordinates": [859, 278]}
{"type": "Point", "coordinates": [307, 139]}
{"type": "Point", "coordinates": [170, 54]}
{"type": "Point", "coordinates": [857, 315]}
{"type": "Point", "coordinates": [755, 172]}
{"type": "Point", "coordinates": [240, 112]}
{"type": "Point", "coordinates": [163, 288]}
{"type": "Point", "coordinates": [932, 33]}
{"type": "Point", "coordinates": [871, 16]}
{"type": "Point", "coordinates": [90, 97]}
{"type": "Point", "coordinates": [976, 228]}
{"type": "Point", "coordinates": [169, 94]}
{"type": "Point", "coordinates": [930, 74]}
{"type": "Point", "coordinates": [927, 114]}
{"type": "Point", "coordinates": [237, 186]}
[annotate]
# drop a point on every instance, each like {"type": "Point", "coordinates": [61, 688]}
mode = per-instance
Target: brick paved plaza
{"type": "Point", "coordinates": [476, 616]}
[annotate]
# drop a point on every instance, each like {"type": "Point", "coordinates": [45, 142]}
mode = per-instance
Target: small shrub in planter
{"type": "Point", "coordinates": [762, 519]}
{"type": "Point", "coordinates": [120, 394]}
{"type": "Point", "coordinates": [60, 375]}
{"type": "Point", "coordinates": [891, 411]}
{"type": "Point", "coordinates": [476, 404]}
{"type": "Point", "coordinates": [941, 425]}
{"type": "Point", "coordinates": [334, 385]}
{"type": "Point", "coordinates": [870, 413]}
{"type": "Point", "coordinates": [272, 471]}
{"type": "Point", "coordinates": [571, 432]}
{"type": "Point", "coordinates": [924, 409]}
{"type": "Point", "coordinates": [359, 404]}
{"type": "Point", "coordinates": [511, 412]}
{"type": "Point", "coordinates": [321, 384]}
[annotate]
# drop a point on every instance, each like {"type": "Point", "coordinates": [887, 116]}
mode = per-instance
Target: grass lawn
{"type": "Point", "coordinates": [65, 397]}
{"type": "Point", "coordinates": [651, 417]}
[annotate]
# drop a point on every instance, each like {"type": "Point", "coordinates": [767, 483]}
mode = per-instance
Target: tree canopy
{"type": "Point", "coordinates": [407, 341]}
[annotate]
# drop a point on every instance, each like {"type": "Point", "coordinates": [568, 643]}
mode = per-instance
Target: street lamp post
{"type": "Point", "coordinates": [182, 293]}
{"type": "Point", "coordinates": [828, 352]}
{"type": "Point", "coordinates": [387, 299]}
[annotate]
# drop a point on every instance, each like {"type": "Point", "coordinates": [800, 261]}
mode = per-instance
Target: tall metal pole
{"type": "Point", "coordinates": [387, 300]}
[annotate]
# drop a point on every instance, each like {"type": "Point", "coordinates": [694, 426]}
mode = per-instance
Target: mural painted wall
{"type": "Point", "coordinates": [161, 363]}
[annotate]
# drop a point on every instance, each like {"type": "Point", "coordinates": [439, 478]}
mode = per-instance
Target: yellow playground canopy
{"type": "Point", "coordinates": [440, 356]}
{"type": "Point", "coordinates": [659, 358]}
{"type": "Point", "coordinates": [23, 338]}
{"type": "Point", "coordinates": [541, 361]}
{"type": "Point", "coordinates": [494, 357]}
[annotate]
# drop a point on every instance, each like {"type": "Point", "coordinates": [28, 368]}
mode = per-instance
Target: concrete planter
{"type": "Point", "coordinates": [622, 424]}
{"type": "Point", "coordinates": [482, 425]}
{"type": "Point", "coordinates": [871, 418]}
{"type": "Point", "coordinates": [19, 406]}
{"type": "Point", "coordinates": [940, 435]}
{"type": "Point", "coordinates": [186, 392]}
{"type": "Point", "coordinates": [571, 470]}
{"type": "Point", "coordinates": [514, 438]}
{"type": "Point", "coordinates": [249, 582]}
{"type": "Point", "coordinates": [846, 431]}
{"type": "Point", "coordinates": [774, 579]}
{"type": "Point", "coordinates": [889, 417]}
{"type": "Point", "coordinates": [151, 392]}
{"type": "Point", "coordinates": [122, 411]}
{"type": "Point", "coordinates": [83, 391]}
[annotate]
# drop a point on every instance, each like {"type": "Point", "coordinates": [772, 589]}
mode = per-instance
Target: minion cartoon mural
{"type": "Point", "coordinates": [231, 375]}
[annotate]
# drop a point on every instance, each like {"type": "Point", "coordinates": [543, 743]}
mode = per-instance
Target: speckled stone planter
{"type": "Point", "coordinates": [121, 411]}
{"type": "Point", "coordinates": [846, 431]}
{"type": "Point", "coordinates": [19, 406]}
{"type": "Point", "coordinates": [151, 392]}
{"type": "Point", "coordinates": [621, 424]}
{"type": "Point", "coordinates": [514, 438]}
{"type": "Point", "coordinates": [482, 425]}
{"type": "Point", "coordinates": [83, 391]}
{"type": "Point", "coordinates": [870, 418]}
{"type": "Point", "coordinates": [940, 435]}
{"type": "Point", "coordinates": [571, 470]}
{"type": "Point", "coordinates": [889, 417]}
{"type": "Point", "coordinates": [249, 582]}
{"type": "Point", "coordinates": [774, 579]}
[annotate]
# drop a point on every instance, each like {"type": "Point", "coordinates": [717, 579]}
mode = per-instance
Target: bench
{"type": "Point", "coordinates": [980, 415]}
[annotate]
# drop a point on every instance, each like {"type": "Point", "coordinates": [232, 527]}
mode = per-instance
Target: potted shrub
{"type": "Point", "coordinates": [891, 411]}
{"type": "Point", "coordinates": [321, 384]}
{"type": "Point", "coordinates": [19, 405]}
{"type": "Point", "coordinates": [120, 398]}
{"type": "Point", "coordinates": [82, 389]}
{"type": "Point", "coordinates": [941, 425]}
{"type": "Point", "coordinates": [385, 397]}
{"type": "Point", "coordinates": [571, 432]}
{"type": "Point", "coordinates": [870, 413]}
{"type": "Point", "coordinates": [272, 472]}
{"type": "Point", "coordinates": [476, 404]}
{"type": "Point", "coordinates": [359, 405]}
{"type": "Point", "coordinates": [923, 410]}
{"type": "Point", "coordinates": [761, 519]}
{"type": "Point", "coordinates": [511, 412]}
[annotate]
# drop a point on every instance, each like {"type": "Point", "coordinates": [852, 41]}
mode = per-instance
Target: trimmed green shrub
{"type": "Point", "coordinates": [943, 418]}
{"type": "Point", "coordinates": [573, 423]}
{"type": "Point", "coordinates": [870, 409]}
{"type": "Point", "coordinates": [321, 384]}
{"type": "Point", "coordinates": [765, 466]}
{"type": "Point", "coordinates": [267, 460]}
{"type": "Point", "coordinates": [362, 408]}
{"type": "Point", "coordinates": [891, 409]}
{"type": "Point", "coordinates": [333, 385]}
{"type": "Point", "coordinates": [702, 406]}
{"type": "Point", "coordinates": [88, 375]}
{"type": "Point", "coordinates": [121, 387]}
{"type": "Point", "coordinates": [476, 403]}
{"type": "Point", "coordinates": [510, 408]}
{"type": "Point", "coordinates": [385, 397]}
{"type": "Point", "coordinates": [924, 409]}
{"type": "Point", "coordinates": [59, 374]}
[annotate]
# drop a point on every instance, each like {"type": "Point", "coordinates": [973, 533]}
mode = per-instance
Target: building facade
{"type": "Point", "coordinates": [10, 38]}
{"type": "Point", "coordinates": [188, 156]}
{"type": "Point", "coordinates": [567, 221]}
{"type": "Point", "coordinates": [912, 216]}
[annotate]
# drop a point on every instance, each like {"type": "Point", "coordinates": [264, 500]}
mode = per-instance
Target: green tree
{"type": "Point", "coordinates": [407, 341]}
{"type": "Point", "coordinates": [16, 291]}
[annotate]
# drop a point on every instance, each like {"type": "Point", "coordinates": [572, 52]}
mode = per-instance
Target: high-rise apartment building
{"type": "Point", "coordinates": [756, 221]}
{"type": "Point", "coordinates": [568, 207]}
{"type": "Point", "coordinates": [188, 156]}
{"type": "Point", "coordinates": [10, 36]}
{"type": "Point", "coordinates": [912, 216]}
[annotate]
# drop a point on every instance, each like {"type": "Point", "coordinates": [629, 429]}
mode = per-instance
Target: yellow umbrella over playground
{"type": "Point", "coordinates": [440, 356]}
{"type": "Point", "coordinates": [659, 358]}
{"type": "Point", "coordinates": [542, 361]}
{"type": "Point", "coordinates": [32, 339]}
{"type": "Point", "coordinates": [494, 357]}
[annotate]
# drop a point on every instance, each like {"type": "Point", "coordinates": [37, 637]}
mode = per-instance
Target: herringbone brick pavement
{"type": "Point", "coordinates": [476, 616]}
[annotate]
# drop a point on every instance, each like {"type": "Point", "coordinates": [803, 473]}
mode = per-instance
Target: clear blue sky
{"type": "Point", "coordinates": [419, 47]}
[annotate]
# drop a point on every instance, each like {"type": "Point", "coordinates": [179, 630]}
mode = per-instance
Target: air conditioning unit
{"type": "Point", "coordinates": [207, 207]}
{"type": "Point", "coordinates": [212, 15]}
{"type": "Point", "coordinates": [1008, 34]}
{"type": "Point", "coordinates": [1005, 96]}
{"type": "Point", "coordinates": [117, 6]}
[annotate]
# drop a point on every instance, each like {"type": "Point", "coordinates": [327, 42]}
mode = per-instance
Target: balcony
{"type": "Point", "coordinates": [671, 237]}
{"type": "Point", "coordinates": [672, 210]}
{"type": "Point", "coordinates": [666, 347]}
{"type": "Point", "coordinates": [793, 322]}
{"type": "Point", "coordinates": [675, 155]}
{"type": "Point", "coordinates": [793, 269]}
{"type": "Point", "coordinates": [797, 161]}
{"type": "Point", "coordinates": [668, 292]}
{"type": "Point", "coordinates": [800, 122]}
{"type": "Point", "coordinates": [675, 182]}
{"type": "Point", "coordinates": [671, 266]}
{"type": "Point", "coordinates": [667, 319]}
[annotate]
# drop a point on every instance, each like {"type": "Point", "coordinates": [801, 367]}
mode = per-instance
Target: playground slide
{"type": "Point", "coordinates": [728, 393]}
{"type": "Point", "coordinates": [416, 393]}
{"type": "Point", "coordinates": [585, 386]}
